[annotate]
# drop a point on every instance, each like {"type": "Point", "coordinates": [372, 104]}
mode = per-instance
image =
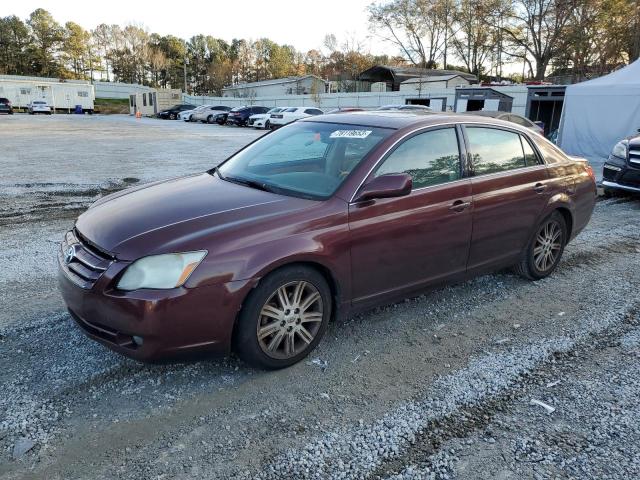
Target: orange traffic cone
{"type": "Point", "coordinates": [138, 114]}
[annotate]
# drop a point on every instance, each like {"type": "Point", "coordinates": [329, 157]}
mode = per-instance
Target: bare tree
{"type": "Point", "coordinates": [537, 27]}
{"type": "Point", "coordinates": [477, 37]}
{"type": "Point", "coordinates": [419, 28]}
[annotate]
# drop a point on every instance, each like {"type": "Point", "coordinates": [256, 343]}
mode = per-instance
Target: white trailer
{"type": "Point", "coordinates": [152, 101]}
{"type": "Point", "coordinates": [61, 96]}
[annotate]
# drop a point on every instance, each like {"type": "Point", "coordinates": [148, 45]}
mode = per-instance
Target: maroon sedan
{"type": "Point", "coordinates": [325, 217]}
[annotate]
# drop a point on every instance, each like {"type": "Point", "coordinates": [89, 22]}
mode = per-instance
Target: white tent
{"type": "Point", "coordinates": [600, 112]}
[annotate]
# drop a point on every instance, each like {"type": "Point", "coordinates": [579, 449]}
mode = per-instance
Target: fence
{"type": "Point", "coordinates": [328, 101]}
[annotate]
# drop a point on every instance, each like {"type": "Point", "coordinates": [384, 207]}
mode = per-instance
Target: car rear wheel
{"type": "Point", "coordinates": [284, 318]}
{"type": "Point", "coordinates": [267, 125]}
{"type": "Point", "coordinates": [210, 119]}
{"type": "Point", "coordinates": [545, 248]}
{"type": "Point", "coordinates": [172, 116]}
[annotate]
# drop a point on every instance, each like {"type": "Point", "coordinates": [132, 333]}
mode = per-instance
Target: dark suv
{"type": "Point", "coordinates": [5, 106]}
{"type": "Point", "coordinates": [622, 169]}
{"type": "Point", "coordinates": [172, 113]}
{"type": "Point", "coordinates": [240, 115]}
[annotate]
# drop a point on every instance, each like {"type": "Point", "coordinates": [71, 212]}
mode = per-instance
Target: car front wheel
{"type": "Point", "coordinates": [545, 248]}
{"type": "Point", "coordinates": [284, 318]}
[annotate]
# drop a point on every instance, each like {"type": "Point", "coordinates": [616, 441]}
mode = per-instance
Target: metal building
{"type": "Point", "coordinates": [544, 104]}
{"type": "Point", "coordinates": [474, 99]}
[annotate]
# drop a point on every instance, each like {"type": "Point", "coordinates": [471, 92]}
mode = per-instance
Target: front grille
{"type": "Point", "coordinates": [87, 264]}
{"type": "Point", "coordinates": [634, 156]}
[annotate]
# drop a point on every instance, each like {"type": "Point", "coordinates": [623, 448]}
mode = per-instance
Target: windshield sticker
{"type": "Point", "coordinates": [350, 134]}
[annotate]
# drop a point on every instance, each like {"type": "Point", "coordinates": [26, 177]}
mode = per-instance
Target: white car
{"type": "Point", "coordinates": [261, 120]}
{"type": "Point", "coordinates": [186, 115]}
{"type": "Point", "coordinates": [292, 114]}
{"type": "Point", "coordinates": [38, 106]}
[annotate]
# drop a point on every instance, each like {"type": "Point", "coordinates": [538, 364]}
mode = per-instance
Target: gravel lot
{"type": "Point", "coordinates": [439, 386]}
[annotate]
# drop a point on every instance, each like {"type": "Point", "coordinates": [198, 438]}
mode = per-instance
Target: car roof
{"type": "Point", "coordinates": [492, 114]}
{"type": "Point", "coordinates": [405, 118]}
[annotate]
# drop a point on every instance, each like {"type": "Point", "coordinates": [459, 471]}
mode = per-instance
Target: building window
{"type": "Point", "coordinates": [144, 99]}
{"type": "Point", "coordinates": [175, 96]}
{"type": "Point", "coordinates": [25, 91]}
{"type": "Point", "coordinates": [83, 94]}
{"type": "Point", "coordinates": [150, 99]}
{"type": "Point", "coordinates": [131, 100]}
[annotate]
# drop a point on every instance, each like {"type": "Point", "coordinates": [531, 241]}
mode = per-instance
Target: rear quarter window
{"type": "Point", "coordinates": [550, 152]}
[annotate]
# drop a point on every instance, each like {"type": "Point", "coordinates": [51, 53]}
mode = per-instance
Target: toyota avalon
{"type": "Point", "coordinates": [326, 217]}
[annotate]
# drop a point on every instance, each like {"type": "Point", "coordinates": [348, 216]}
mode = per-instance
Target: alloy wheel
{"type": "Point", "coordinates": [290, 319]}
{"type": "Point", "coordinates": [548, 246]}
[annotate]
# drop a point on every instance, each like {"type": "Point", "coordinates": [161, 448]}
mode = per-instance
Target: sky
{"type": "Point", "coordinates": [302, 23]}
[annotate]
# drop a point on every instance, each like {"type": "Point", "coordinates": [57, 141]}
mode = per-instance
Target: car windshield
{"type": "Point", "coordinates": [305, 159]}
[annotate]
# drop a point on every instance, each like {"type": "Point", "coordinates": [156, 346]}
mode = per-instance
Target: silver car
{"type": "Point", "coordinates": [209, 113]}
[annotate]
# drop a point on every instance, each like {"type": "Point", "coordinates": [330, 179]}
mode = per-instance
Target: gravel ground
{"type": "Point", "coordinates": [439, 386]}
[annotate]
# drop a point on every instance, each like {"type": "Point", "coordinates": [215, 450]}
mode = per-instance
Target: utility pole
{"type": "Point", "coordinates": [184, 64]}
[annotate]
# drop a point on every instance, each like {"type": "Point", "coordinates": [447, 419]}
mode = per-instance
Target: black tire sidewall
{"type": "Point", "coordinates": [533, 270]}
{"type": "Point", "coordinates": [246, 340]}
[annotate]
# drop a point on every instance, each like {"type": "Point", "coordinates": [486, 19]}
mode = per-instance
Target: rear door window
{"type": "Point", "coordinates": [493, 150]}
{"type": "Point", "coordinates": [431, 158]}
{"type": "Point", "coordinates": [530, 156]}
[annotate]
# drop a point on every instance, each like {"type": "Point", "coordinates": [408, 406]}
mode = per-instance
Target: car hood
{"type": "Point", "coordinates": [176, 215]}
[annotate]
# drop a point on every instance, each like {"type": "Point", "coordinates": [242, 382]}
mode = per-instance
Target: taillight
{"type": "Point", "coordinates": [591, 173]}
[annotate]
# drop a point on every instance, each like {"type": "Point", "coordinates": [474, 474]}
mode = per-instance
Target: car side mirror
{"type": "Point", "coordinates": [386, 186]}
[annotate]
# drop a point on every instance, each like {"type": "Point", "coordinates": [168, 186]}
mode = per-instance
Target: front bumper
{"type": "Point", "coordinates": [236, 120]}
{"type": "Point", "coordinates": [169, 322]}
{"type": "Point", "coordinates": [618, 174]}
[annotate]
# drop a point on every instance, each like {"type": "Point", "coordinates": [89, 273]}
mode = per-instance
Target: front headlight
{"type": "Point", "coordinates": [620, 150]}
{"type": "Point", "coordinates": [161, 271]}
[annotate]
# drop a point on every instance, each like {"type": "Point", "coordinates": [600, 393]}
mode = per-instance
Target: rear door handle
{"type": "Point", "coordinates": [540, 187]}
{"type": "Point", "coordinates": [459, 205]}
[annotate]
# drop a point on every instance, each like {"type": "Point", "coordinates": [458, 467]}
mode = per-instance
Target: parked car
{"type": "Point", "coordinates": [324, 218]}
{"type": "Point", "coordinates": [38, 107]}
{"type": "Point", "coordinates": [209, 114]}
{"type": "Point", "coordinates": [621, 170]}
{"type": "Point", "coordinates": [172, 113]}
{"type": "Point", "coordinates": [423, 108]}
{"type": "Point", "coordinates": [5, 106]}
{"type": "Point", "coordinates": [292, 114]}
{"type": "Point", "coordinates": [512, 117]}
{"type": "Point", "coordinates": [261, 120]}
{"type": "Point", "coordinates": [240, 115]}
{"type": "Point", "coordinates": [186, 115]}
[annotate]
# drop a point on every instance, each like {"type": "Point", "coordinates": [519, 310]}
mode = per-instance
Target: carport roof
{"type": "Point", "coordinates": [397, 75]}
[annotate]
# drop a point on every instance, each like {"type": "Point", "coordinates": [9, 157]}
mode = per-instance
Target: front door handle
{"type": "Point", "coordinates": [459, 205]}
{"type": "Point", "coordinates": [540, 187]}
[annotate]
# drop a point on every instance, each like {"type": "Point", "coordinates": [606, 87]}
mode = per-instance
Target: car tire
{"type": "Point", "coordinates": [210, 120]}
{"type": "Point", "coordinates": [290, 330]}
{"type": "Point", "coordinates": [544, 251]}
{"type": "Point", "coordinates": [267, 125]}
{"type": "Point", "coordinates": [172, 116]}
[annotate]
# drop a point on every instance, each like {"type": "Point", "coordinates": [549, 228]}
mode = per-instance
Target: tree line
{"type": "Point", "coordinates": [581, 37]}
{"type": "Point", "coordinates": [43, 47]}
